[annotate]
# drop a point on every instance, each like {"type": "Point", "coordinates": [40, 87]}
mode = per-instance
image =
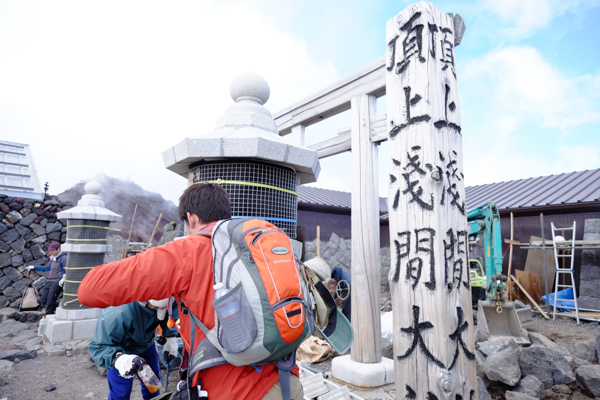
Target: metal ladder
{"type": "Point", "coordinates": [565, 253]}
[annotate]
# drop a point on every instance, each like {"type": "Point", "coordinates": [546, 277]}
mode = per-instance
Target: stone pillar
{"type": "Point", "coordinates": [431, 297]}
{"type": "Point", "coordinates": [87, 229]}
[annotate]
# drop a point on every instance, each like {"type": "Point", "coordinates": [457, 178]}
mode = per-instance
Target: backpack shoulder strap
{"type": "Point", "coordinates": [206, 354]}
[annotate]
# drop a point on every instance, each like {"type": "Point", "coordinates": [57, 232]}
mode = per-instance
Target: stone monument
{"type": "Point", "coordinates": [429, 277]}
{"type": "Point", "coordinates": [87, 229]}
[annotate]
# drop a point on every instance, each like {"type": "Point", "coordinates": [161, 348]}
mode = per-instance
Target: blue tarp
{"type": "Point", "coordinates": [562, 294]}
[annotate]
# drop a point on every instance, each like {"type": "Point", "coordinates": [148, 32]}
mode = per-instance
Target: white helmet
{"type": "Point", "coordinates": [161, 307]}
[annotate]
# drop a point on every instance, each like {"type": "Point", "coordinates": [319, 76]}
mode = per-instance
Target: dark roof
{"type": "Point", "coordinates": [545, 191]}
{"type": "Point", "coordinates": [331, 198]}
{"type": "Point", "coordinates": [552, 191]}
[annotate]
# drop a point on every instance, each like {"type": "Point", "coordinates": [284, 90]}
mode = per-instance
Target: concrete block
{"type": "Point", "coordinates": [84, 329]}
{"type": "Point", "coordinates": [85, 248]}
{"type": "Point", "coordinates": [363, 375]}
{"type": "Point", "coordinates": [79, 314]}
{"type": "Point", "coordinates": [58, 331]}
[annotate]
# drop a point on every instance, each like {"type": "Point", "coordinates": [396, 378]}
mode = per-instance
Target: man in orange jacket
{"type": "Point", "coordinates": [183, 269]}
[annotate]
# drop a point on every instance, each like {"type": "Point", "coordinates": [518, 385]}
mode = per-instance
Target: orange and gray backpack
{"type": "Point", "coordinates": [262, 311]}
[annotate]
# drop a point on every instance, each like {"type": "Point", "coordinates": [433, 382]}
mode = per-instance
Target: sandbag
{"type": "Point", "coordinates": [314, 350]}
{"type": "Point", "coordinates": [30, 299]}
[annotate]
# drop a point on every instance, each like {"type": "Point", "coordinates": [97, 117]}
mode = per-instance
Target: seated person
{"type": "Point", "coordinates": [124, 341]}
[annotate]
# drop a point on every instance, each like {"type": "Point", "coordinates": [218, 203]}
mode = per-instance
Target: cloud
{"type": "Point", "coordinates": [521, 18]}
{"type": "Point", "coordinates": [108, 86]}
{"type": "Point", "coordinates": [519, 112]}
{"type": "Point", "coordinates": [514, 85]}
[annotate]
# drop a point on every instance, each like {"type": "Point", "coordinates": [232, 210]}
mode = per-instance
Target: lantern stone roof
{"type": "Point", "coordinates": [246, 131]}
{"type": "Point", "coordinates": [91, 206]}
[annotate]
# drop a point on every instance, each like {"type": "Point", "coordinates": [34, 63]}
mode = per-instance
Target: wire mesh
{"type": "Point", "coordinates": [81, 231]}
{"type": "Point", "coordinates": [256, 189]}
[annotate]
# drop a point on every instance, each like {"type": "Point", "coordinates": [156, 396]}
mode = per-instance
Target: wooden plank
{"type": "Point", "coordinates": [534, 263]}
{"type": "Point", "coordinates": [379, 131]}
{"type": "Point", "coordinates": [366, 279]}
{"type": "Point", "coordinates": [530, 298]}
{"type": "Point", "coordinates": [515, 242]}
{"type": "Point", "coordinates": [335, 98]}
{"type": "Point", "coordinates": [154, 230]}
{"type": "Point", "coordinates": [343, 142]}
{"type": "Point", "coordinates": [532, 283]}
{"type": "Point", "coordinates": [130, 231]}
{"type": "Point", "coordinates": [336, 145]}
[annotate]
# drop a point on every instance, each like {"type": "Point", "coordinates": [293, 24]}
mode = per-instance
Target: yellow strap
{"type": "Point", "coordinates": [220, 181]}
{"type": "Point", "coordinates": [70, 301]}
{"type": "Point", "coordinates": [92, 226]}
{"type": "Point", "coordinates": [68, 294]}
{"type": "Point", "coordinates": [87, 240]}
{"type": "Point", "coordinates": [79, 268]}
{"type": "Point", "coordinates": [72, 281]}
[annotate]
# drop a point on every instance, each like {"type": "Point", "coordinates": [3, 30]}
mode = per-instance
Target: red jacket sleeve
{"type": "Point", "coordinates": [157, 273]}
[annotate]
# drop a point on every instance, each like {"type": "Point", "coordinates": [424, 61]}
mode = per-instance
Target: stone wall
{"type": "Point", "coordinates": [27, 227]}
{"type": "Point", "coordinates": [337, 252]}
{"type": "Point", "coordinates": [589, 278]}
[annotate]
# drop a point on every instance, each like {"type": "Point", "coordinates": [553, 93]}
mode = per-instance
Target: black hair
{"type": "Point", "coordinates": [209, 201]}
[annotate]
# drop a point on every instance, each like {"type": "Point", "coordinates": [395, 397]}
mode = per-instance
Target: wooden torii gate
{"type": "Point", "coordinates": [357, 92]}
{"type": "Point", "coordinates": [427, 365]}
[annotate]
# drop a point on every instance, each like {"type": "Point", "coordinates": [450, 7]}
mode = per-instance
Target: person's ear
{"type": "Point", "coordinates": [193, 221]}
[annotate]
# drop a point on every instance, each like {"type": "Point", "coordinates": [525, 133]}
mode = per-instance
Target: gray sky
{"type": "Point", "coordinates": [106, 86]}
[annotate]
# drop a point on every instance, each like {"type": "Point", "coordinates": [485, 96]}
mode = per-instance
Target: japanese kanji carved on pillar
{"type": "Point", "coordinates": [431, 297]}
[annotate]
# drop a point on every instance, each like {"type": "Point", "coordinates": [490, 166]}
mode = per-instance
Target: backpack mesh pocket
{"type": "Point", "coordinates": [237, 326]}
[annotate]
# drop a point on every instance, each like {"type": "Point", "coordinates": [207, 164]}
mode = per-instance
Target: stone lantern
{"type": "Point", "coordinates": [87, 229]}
{"type": "Point", "coordinates": [246, 155]}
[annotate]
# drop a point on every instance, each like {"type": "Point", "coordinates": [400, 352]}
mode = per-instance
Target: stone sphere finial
{"type": "Point", "coordinates": [92, 187]}
{"type": "Point", "coordinates": [250, 85]}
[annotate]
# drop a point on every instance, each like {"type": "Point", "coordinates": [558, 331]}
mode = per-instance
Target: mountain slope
{"type": "Point", "coordinates": [121, 197]}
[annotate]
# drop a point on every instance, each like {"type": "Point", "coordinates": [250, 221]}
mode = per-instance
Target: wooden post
{"type": "Point", "coordinates": [545, 263]}
{"type": "Point", "coordinates": [366, 279]}
{"type": "Point", "coordinates": [130, 231]}
{"type": "Point", "coordinates": [298, 135]}
{"type": "Point", "coordinates": [434, 344]}
{"type": "Point", "coordinates": [318, 241]}
{"type": "Point", "coordinates": [154, 230]}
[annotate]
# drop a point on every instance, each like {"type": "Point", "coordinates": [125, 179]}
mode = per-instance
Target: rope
{"type": "Point", "coordinates": [70, 301]}
{"type": "Point", "coordinates": [267, 218]}
{"type": "Point", "coordinates": [220, 181]}
{"type": "Point", "coordinates": [93, 226]}
{"type": "Point", "coordinates": [87, 240]}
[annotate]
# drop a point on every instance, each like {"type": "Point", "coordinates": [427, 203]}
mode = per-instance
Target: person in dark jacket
{"type": "Point", "coordinates": [124, 340]}
{"type": "Point", "coordinates": [340, 275]}
{"type": "Point", "coordinates": [56, 266]}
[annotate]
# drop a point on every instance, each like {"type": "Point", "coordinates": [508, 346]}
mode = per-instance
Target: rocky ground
{"type": "Point", "coordinates": [30, 369]}
{"type": "Point", "coordinates": [561, 363]}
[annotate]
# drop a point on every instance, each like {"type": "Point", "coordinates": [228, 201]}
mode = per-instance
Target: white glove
{"type": "Point", "coordinates": [30, 268]}
{"type": "Point", "coordinates": [171, 348]}
{"type": "Point", "coordinates": [61, 283]}
{"type": "Point", "coordinates": [128, 364]}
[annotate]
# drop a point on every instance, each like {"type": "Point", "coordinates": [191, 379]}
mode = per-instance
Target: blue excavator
{"type": "Point", "coordinates": [496, 316]}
